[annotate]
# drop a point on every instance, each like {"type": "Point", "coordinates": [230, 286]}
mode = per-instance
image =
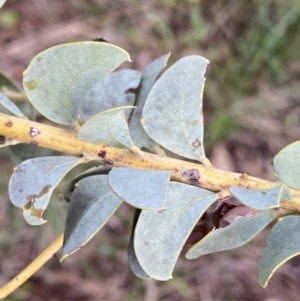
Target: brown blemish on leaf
{"type": "Point", "coordinates": [102, 154]}
{"type": "Point", "coordinates": [192, 175]}
{"type": "Point", "coordinates": [196, 143]}
{"type": "Point", "coordinates": [34, 132]}
{"type": "Point", "coordinates": [9, 124]}
{"type": "Point", "coordinates": [31, 198]}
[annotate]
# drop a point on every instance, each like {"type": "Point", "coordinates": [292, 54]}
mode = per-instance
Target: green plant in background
{"type": "Point", "coordinates": [128, 125]}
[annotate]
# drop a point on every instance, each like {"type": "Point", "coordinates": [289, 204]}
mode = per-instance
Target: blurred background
{"type": "Point", "coordinates": [251, 110]}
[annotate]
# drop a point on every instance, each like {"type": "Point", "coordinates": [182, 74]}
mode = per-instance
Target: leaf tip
{"type": "Point", "coordinates": [65, 255]}
{"type": "Point", "coordinates": [264, 282]}
{"type": "Point", "coordinates": [264, 285]}
{"type": "Point", "coordinates": [188, 256]}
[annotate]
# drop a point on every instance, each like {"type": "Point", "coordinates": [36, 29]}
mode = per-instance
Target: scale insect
{"type": "Point", "coordinates": [101, 39]}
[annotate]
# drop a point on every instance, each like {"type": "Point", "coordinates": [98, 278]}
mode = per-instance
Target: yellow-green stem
{"type": "Point", "coordinates": [66, 141]}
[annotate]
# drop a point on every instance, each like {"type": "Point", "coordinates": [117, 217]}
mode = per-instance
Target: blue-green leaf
{"type": "Point", "coordinates": [57, 79]}
{"type": "Point", "coordinates": [107, 127]}
{"type": "Point", "coordinates": [10, 106]}
{"type": "Point", "coordinates": [133, 262]}
{"type": "Point", "coordinates": [7, 82]}
{"type": "Point", "coordinates": [69, 187]}
{"type": "Point", "coordinates": [149, 76]}
{"type": "Point", "coordinates": [160, 235]}
{"type": "Point", "coordinates": [259, 199]}
{"type": "Point", "coordinates": [238, 233]}
{"type": "Point", "coordinates": [111, 92]}
{"type": "Point", "coordinates": [92, 204]}
{"type": "Point", "coordinates": [173, 110]}
{"type": "Point", "coordinates": [141, 188]}
{"type": "Point", "coordinates": [287, 165]}
{"type": "Point", "coordinates": [33, 183]}
{"type": "Point", "coordinates": [22, 152]}
{"type": "Point", "coordinates": [282, 244]}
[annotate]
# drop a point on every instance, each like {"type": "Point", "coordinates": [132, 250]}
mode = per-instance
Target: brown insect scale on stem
{"type": "Point", "coordinates": [192, 175]}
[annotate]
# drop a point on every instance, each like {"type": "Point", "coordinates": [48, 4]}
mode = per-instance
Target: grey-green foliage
{"type": "Point", "coordinates": [6, 103]}
{"type": "Point", "coordinates": [133, 262]}
{"type": "Point", "coordinates": [62, 76]}
{"type": "Point", "coordinates": [111, 92]}
{"type": "Point", "coordinates": [92, 204]}
{"type": "Point", "coordinates": [7, 82]}
{"type": "Point", "coordinates": [172, 115]}
{"type": "Point", "coordinates": [71, 84]}
{"type": "Point", "coordinates": [286, 165]}
{"type": "Point", "coordinates": [261, 198]}
{"type": "Point", "coordinates": [139, 187]}
{"type": "Point", "coordinates": [282, 244]}
{"type": "Point", "coordinates": [160, 236]}
{"type": "Point", "coordinates": [107, 127]}
{"type": "Point", "coordinates": [149, 75]}
{"type": "Point", "coordinates": [33, 183]}
{"type": "Point", "coordinates": [22, 152]}
{"type": "Point", "coordinates": [69, 187]}
{"type": "Point", "coordinates": [239, 232]}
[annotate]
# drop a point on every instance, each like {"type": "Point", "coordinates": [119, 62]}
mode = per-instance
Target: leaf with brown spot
{"type": "Point", "coordinates": [177, 123]}
{"type": "Point", "coordinates": [34, 181]}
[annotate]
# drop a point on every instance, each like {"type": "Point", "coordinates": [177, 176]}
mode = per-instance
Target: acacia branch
{"type": "Point", "coordinates": [65, 141]}
{"type": "Point", "coordinates": [208, 177]}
